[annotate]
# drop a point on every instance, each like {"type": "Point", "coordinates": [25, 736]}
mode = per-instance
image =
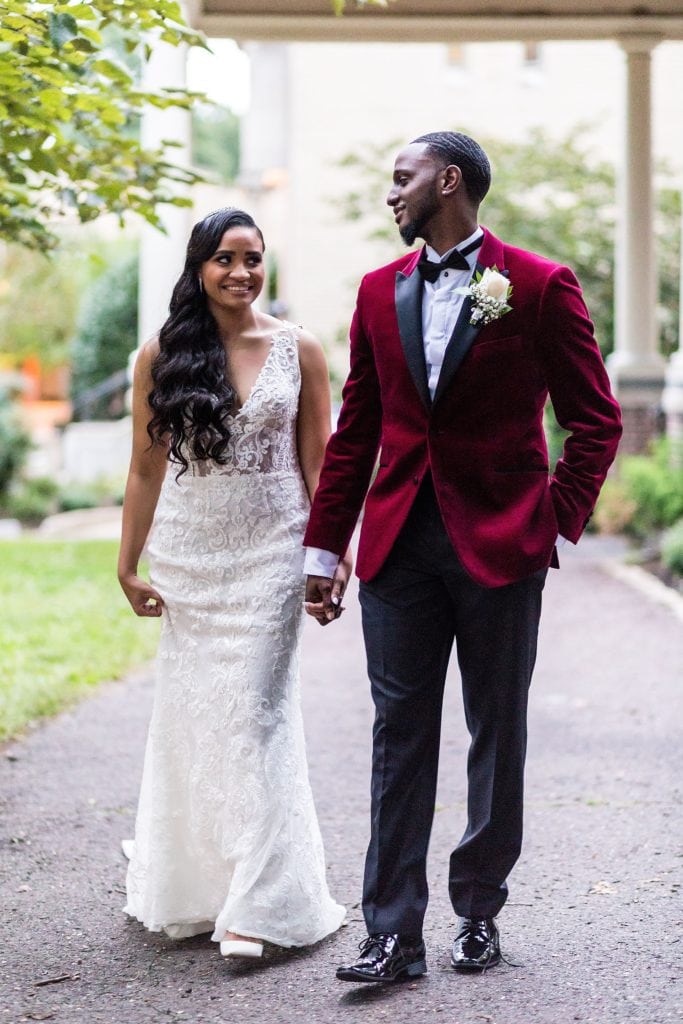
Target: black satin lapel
{"type": "Point", "coordinates": [408, 298]}
{"type": "Point", "coordinates": [458, 346]}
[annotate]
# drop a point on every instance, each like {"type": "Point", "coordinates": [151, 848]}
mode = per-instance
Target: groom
{"type": "Point", "coordinates": [449, 383]}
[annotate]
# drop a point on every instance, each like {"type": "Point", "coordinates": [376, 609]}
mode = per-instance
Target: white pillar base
{"type": "Point", "coordinates": [638, 389]}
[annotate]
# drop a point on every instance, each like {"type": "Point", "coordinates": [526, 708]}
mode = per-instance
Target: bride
{"type": "Point", "coordinates": [230, 419]}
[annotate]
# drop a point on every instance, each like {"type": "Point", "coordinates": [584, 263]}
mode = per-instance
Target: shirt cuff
{"type": "Point", "coordinates": [560, 542]}
{"type": "Point", "coordinates": [318, 562]}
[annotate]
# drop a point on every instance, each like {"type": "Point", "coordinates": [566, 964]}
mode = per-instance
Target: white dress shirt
{"type": "Point", "coordinates": [441, 305]}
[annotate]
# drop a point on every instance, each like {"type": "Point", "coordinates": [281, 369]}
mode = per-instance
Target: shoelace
{"type": "Point", "coordinates": [483, 935]}
{"type": "Point", "coordinates": [510, 963]}
{"type": "Point", "coordinates": [372, 941]}
{"type": "Point", "coordinates": [505, 960]}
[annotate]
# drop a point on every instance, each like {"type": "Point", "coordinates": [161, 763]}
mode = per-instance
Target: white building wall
{"type": "Point", "coordinates": [344, 97]}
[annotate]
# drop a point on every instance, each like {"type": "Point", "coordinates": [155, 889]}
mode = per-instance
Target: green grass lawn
{"type": "Point", "coordinates": [65, 625]}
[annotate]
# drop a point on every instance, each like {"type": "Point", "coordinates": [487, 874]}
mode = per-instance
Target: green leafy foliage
{"type": "Point", "coordinates": [107, 328]}
{"type": "Point", "coordinates": [76, 496]}
{"type": "Point", "coordinates": [216, 141]}
{"type": "Point", "coordinates": [654, 483]}
{"type": "Point", "coordinates": [615, 509]}
{"type": "Point", "coordinates": [31, 500]}
{"type": "Point", "coordinates": [14, 446]}
{"type": "Point", "coordinates": [67, 104]}
{"type": "Point", "coordinates": [39, 299]}
{"type": "Point", "coordinates": [66, 626]}
{"type": "Point", "coordinates": [668, 237]}
{"type": "Point", "coordinates": [672, 548]}
{"type": "Point", "coordinates": [550, 196]}
{"type": "Point", "coordinates": [554, 434]}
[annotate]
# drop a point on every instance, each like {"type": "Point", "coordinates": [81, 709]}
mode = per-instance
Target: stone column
{"type": "Point", "coordinates": [264, 161]}
{"type": "Point", "coordinates": [162, 255]}
{"type": "Point", "coordinates": [265, 127]}
{"type": "Point", "coordinates": [636, 367]}
{"type": "Point", "coordinates": [672, 398]}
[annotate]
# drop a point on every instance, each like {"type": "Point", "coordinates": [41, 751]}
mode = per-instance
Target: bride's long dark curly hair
{"type": "Point", "coordinates": [191, 394]}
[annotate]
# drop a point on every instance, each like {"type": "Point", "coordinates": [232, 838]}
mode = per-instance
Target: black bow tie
{"type": "Point", "coordinates": [430, 271]}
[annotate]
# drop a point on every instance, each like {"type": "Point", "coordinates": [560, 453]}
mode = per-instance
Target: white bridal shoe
{"type": "Point", "coordinates": [240, 947]}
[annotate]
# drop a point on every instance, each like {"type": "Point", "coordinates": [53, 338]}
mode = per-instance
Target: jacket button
{"type": "Point", "coordinates": [416, 480]}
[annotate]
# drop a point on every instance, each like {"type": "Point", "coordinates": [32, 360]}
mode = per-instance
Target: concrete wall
{"type": "Point", "coordinates": [95, 450]}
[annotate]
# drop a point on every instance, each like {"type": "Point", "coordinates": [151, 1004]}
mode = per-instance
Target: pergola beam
{"type": "Point", "coordinates": [389, 27]}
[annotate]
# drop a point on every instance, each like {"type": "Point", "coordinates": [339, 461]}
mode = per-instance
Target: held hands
{"type": "Point", "coordinates": [324, 595]}
{"type": "Point", "coordinates": [144, 599]}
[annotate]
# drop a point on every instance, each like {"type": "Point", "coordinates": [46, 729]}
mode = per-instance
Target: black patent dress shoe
{"type": "Point", "coordinates": [383, 958]}
{"type": "Point", "coordinates": [476, 945]}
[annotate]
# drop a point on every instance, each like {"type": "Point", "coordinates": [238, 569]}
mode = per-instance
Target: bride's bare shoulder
{"type": "Point", "coordinates": [267, 324]}
{"type": "Point", "coordinates": [144, 358]}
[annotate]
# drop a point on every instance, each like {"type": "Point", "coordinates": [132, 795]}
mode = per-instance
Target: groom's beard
{"type": "Point", "coordinates": [415, 228]}
{"type": "Point", "coordinates": [409, 233]}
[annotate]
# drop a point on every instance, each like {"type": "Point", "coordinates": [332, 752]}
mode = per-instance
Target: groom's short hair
{"type": "Point", "coordinates": [465, 153]}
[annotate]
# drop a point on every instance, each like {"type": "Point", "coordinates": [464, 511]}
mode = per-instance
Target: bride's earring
{"type": "Point", "coordinates": [201, 285]}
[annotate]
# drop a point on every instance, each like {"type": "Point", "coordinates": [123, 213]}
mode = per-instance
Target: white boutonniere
{"type": "Point", "coordinates": [489, 292]}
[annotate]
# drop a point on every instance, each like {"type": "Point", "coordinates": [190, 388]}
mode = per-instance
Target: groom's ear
{"type": "Point", "coordinates": [451, 178]}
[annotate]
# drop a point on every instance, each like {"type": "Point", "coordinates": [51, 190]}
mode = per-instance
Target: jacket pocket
{"type": "Point", "coordinates": [523, 469]}
{"type": "Point", "coordinates": [511, 340]}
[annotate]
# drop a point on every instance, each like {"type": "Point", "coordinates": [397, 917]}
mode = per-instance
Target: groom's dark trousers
{"type": "Point", "coordinates": [422, 601]}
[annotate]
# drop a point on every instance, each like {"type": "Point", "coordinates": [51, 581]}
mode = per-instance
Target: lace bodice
{"type": "Point", "coordinates": [263, 430]}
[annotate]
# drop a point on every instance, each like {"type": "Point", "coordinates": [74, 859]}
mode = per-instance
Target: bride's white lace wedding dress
{"type": "Point", "coordinates": [226, 837]}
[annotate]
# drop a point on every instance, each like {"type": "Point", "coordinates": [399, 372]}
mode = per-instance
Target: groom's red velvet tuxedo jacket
{"type": "Point", "coordinates": [482, 436]}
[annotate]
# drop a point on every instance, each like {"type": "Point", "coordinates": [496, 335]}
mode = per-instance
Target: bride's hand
{"type": "Point", "coordinates": [144, 599]}
{"type": "Point", "coordinates": [341, 579]}
{"type": "Point", "coordinates": [318, 603]}
{"type": "Point", "coordinates": [324, 595]}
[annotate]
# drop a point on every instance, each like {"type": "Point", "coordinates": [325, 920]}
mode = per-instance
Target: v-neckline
{"type": "Point", "coordinates": [253, 387]}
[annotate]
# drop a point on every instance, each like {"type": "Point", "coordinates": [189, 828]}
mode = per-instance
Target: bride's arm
{"type": "Point", "coordinates": [145, 477]}
{"type": "Point", "coordinates": [313, 420]}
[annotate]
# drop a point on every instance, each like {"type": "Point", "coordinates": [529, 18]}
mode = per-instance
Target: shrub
{"type": "Point", "coordinates": [30, 501]}
{"type": "Point", "coordinates": [103, 491]}
{"type": "Point", "coordinates": [655, 484]}
{"type": "Point", "coordinates": [106, 333]}
{"type": "Point", "coordinates": [78, 496]}
{"type": "Point", "coordinates": [14, 446]}
{"type": "Point", "coordinates": [216, 141]}
{"type": "Point", "coordinates": [40, 297]}
{"type": "Point", "coordinates": [672, 548]}
{"type": "Point", "coordinates": [615, 509]}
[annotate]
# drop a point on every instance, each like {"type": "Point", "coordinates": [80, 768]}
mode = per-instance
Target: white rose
{"type": "Point", "coordinates": [494, 284]}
